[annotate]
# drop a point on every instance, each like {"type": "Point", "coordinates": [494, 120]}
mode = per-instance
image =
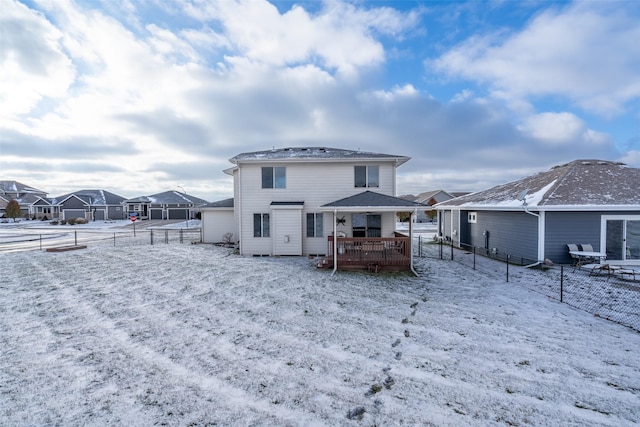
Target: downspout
{"type": "Point", "coordinates": [335, 242]}
{"type": "Point", "coordinates": [537, 263]}
{"type": "Point", "coordinates": [415, 211]}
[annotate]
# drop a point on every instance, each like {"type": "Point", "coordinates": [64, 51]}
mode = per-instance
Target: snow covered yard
{"type": "Point", "coordinates": [191, 335]}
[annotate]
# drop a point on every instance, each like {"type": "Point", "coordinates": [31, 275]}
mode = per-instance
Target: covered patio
{"type": "Point", "coordinates": [363, 248]}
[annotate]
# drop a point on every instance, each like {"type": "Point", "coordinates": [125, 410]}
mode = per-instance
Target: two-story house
{"type": "Point", "coordinates": [301, 201]}
{"type": "Point", "coordinates": [29, 198]}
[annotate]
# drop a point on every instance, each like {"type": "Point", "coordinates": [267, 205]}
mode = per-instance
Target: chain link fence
{"type": "Point", "coordinates": [612, 293]}
{"type": "Point", "coordinates": [21, 240]}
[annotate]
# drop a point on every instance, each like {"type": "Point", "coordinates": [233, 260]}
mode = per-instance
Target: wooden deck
{"type": "Point", "coordinates": [369, 253]}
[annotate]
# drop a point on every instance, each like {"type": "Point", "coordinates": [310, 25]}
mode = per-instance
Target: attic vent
{"type": "Point", "coordinates": [322, 150]}
{"type": "Point", "coordinates": [586, 163]}
{"type": "Point", "coordinates": [304, 149]}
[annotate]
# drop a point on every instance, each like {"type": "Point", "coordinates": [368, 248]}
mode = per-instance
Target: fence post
{"type": "Point", "coordinates": [114, 240]}
{"type": "Point", "coordinates": [75, 237]}
{"type": "Point", "coordinates": [151, 234]}
{"type": "Point", "coordinates": [474, 257]}
{"type": "Point", "coordinates": [508, 259]}
{"type": "Point", "coordinates": [451, 249]}
{"type": "Point", "coordinates": [181, 235]}
{"type": "Point", "coordinates": [561, 281]}
{"type": "Point", "coordinates": [166, 236]}
{"type": "Point", "coordinates": [41, 242]}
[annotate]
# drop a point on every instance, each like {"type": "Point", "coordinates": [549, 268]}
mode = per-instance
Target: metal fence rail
{"type": "Point", "coordinates": [31, 240]}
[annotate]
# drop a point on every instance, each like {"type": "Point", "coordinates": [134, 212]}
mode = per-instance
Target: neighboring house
{"type": "Point", "coordinates": [583, 202]}
{"type": "Point", "coordinates": [93, 205]}
{"type": "Point", "coordinates": [289, 201]}
{"type": "Point", "coordinates": [430, 198]}
{"type": "Point", "coordinates": [25, 195]}
{"type": "Point", "coordinates": [166, 205]}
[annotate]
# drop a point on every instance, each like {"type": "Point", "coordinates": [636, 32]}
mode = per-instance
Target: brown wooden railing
{"type": "Point", "coordinates": [371, 252]}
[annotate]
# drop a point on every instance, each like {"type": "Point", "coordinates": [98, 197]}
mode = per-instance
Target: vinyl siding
{"type": "Point", "coordinates": [572, 227]}
{"type": "Point", "coordinates": [510, 233]}
{"type": "Point", "coordinates": [216, 223]}
{"type": "Point", "coordinates": [315, 184]}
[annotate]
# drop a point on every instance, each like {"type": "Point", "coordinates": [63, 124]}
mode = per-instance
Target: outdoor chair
{"type": "Point", "coordinates": [586, 247]}
{"type": "Point", "coordinates": [573, 247]}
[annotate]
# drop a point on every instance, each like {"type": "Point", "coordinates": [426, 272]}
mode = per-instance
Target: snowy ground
{"type": "Point", "coordinates": [193, 335]}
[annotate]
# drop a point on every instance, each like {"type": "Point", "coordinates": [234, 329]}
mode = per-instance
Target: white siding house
{"type": "Point", "coordinates": [281, 199]}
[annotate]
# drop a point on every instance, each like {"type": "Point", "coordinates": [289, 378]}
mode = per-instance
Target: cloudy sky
{"type": "Point", "coordinates": [139, 97]}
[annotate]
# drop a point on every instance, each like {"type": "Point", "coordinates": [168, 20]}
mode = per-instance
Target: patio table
{"type": "Point", "coordinates": [584, 256]}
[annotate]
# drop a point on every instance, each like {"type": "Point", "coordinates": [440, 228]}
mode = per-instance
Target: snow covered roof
{"type": "Point", "coordinates": [371, 200]}
{"type": "Point", "coordinates": [92, 197]}
{"type": "Point", "coordinates": [226, 203]}
{"type": "Point", "coordinates": [175, 197]}
{"type": "Point", "coordinates": [19, 188]}
{"type": "Point", "coordinates": [587, 184]}
{"type": "Point", "coordinates": [316, 154]}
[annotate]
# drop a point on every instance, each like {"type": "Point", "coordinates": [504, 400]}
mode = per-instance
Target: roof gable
{"type": "Point", "coordinates": [92, 197]}
{"type": "Point", "coordinates": [175, 197]}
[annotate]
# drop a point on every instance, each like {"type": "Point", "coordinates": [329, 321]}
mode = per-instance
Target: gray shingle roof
{"type": "Point", "coordinates": [313, 153]}
{"type": "Point", "coordinates": [580, 183]}
{"type": "Point", "coordinates": [175, 197]}
{"type": "Point", "coordinates": [226, 203]}
{"type": "Point", "coordinates": [93, 197]}
{"type": "Point", "coordinates": [374, 200]}
{"type": "Point", "coordinates": [18, 187]}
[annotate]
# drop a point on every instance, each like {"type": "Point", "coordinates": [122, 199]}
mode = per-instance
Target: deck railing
{"type": "Point", "coordinates": [371, 252]}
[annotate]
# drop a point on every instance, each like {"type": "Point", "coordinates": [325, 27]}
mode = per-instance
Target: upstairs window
{"type": "Point", "coordinates": [367, 176]}
{"type": "Point", "coordinates": [261, 225]}
{"type": "Point", "coordinates": [314, 225]}
{"type": "Point", "coordinates": [274, 177]}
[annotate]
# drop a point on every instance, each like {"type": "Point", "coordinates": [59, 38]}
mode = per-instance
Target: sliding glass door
{"type": "Point", "coordinates": [622, 237]}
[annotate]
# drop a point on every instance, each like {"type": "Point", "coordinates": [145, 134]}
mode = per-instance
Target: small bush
{"type": "Point", "coordinates": [81, 221]}
{"type": "Point", "coordinates": [54, 222]}
{"type": "Point", "coordinates": [71, 221]}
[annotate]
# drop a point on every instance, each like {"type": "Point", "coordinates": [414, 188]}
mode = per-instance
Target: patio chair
{"type": "Point", "coordinates": [573, 247]}
{"type": "Point", "coordinates": [586, 247]}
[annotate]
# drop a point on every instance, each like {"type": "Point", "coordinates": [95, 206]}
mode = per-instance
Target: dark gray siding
{"type": "Point", "coordinates": [510, 233]}
{"type": "Point", "coordinates": [572, 227]}
{"type": "Point", "coordinates": [115, 212]}
{"type": "Point", "coordinates": [73, 203]}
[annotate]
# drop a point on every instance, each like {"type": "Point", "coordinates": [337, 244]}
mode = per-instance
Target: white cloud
{"type": "Point", "coordinates": [561, 128]}
{"type": "Point", "coordinates": [340, 37]}
{"type": "Point", "coordinates": [587, 52]}
{"type": "Point", "coordinates": [33, 64]}
{"type": "Point", "coordinates": [406, 91]}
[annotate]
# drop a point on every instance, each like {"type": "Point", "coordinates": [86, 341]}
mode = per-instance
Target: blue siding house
{"type": "Point", "coordinates": [534, 218]}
